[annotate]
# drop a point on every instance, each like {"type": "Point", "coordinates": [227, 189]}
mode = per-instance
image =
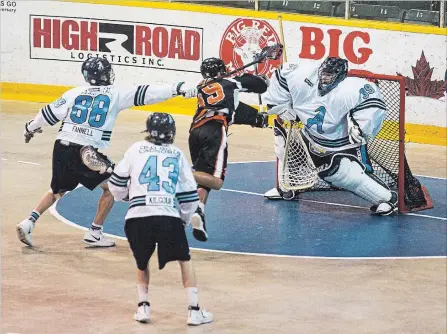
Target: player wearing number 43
{"type": "Point", "coordinates": [338, 114]}
{"type": "Point", "coordinates": [156, 179]}
{"type": "Point", "coordinates": [88, 114]}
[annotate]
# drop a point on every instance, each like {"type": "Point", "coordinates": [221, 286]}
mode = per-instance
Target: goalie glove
{"type": "Point", "coordinates": [285, 112]}
{"type": "Point", "coordinates": [27, 134]}
{"type": "Point", "coordinates": [262, 120]}
{"type": "Point", "coordinates": [354, 132]}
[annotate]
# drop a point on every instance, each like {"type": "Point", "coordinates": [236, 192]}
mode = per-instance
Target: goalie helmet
{"type": "Point", "coordinates": [212, 67]}
{"type": "Point", "coordinates": [161, 128]}
{"type": "Point", "coordinates": [330, 73]}
{"type": "Point", "coordinates": [98, 71]}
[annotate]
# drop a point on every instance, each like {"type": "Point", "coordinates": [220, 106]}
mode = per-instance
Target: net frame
{"type": "Point", "coordinates": [412, 195]}
{"type": "Point", "coordinates": [401, 169]}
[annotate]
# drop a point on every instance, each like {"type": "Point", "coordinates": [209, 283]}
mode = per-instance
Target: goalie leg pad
{"type": "Point", "coordinates": [280, 141]}
{"type": "Point", "coordinates": [347, 173]}
{"type": "Point", "coordinates": [95, 160]}
{"type": "Point", "coordinates": [280, 137]}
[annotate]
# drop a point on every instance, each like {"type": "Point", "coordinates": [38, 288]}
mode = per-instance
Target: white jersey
{"type": "Point", "coordinates": [158, 181]}
{"type": "Point", "coordinates": [325, 118]}
{"type": "Point", "coordinates": [88, 113]}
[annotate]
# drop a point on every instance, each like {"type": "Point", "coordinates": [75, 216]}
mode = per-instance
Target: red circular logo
{"type": "Point", "coordinates": [243, 39]}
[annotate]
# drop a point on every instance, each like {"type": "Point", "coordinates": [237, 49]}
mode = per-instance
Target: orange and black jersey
{"type": "Point", "coordinates": [218, 100]}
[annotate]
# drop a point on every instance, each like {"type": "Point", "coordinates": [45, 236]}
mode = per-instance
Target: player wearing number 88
{"type": "Point", "coordinates": [156, 178]}
{"type": "Point", "coordinates": [87, 116]}
{"type": "Point", "coordinates": [218, 107]}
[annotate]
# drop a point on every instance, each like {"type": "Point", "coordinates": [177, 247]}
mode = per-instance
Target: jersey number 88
{"type": "Point", "coordinates": [95, 109]}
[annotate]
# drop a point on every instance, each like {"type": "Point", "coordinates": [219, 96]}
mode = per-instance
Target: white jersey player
{"type": "Point", "coordinates": [157, 180]}
{"type": "Point", "coordinates": [338, 114]}
{"type": "Point", "coordinates": [88, 115]}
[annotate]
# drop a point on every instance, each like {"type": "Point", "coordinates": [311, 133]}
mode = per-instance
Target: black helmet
{"type": "Point", "coordinates": [212, 67]}
{"type": "Point", "coordinates": [331, 72]}
{"type": "Point", "coordinates": [98, 72]}
{"type": "Point", "coordinates": [161, 128]}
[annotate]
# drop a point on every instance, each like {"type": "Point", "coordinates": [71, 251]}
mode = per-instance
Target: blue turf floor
{"type": "Point", "coordinates": [242, 222]}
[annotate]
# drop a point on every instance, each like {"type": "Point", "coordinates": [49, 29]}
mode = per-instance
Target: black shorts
{"type": "Point", "coordinates": [209, 150]}
{"type": "Point", "coordinates": [69, 170]}
{"type": "Point", "coordinates": [168, 232]}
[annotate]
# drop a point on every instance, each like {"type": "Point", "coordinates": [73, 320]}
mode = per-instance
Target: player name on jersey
{"type": "Point", "coordinates": [84, 131]}
{"type": "Point", "coordinates": [77, 129]}
{"type": "Point", "coordinates": [158, 200]}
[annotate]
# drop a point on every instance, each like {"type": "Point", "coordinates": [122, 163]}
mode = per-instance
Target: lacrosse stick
{"type": "Point", "coordinates": [269, 52]}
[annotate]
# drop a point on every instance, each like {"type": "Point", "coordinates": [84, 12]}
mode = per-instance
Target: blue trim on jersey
{"type": "Point", "coordinates": [140, 95]}
{"type": "Point", "coordinates": [186, 198]}
{"type": "Point", "coordinates": [120, 177]}
{"type": "Point", "coordinates": [281, 80]}
{"type": "Point", "coordinates": [364, 155]}
{"type": "Point", "coordinates": [330, 143]}
{"type": "Point", "coordinates": [49, 116]}
{"type": "Point", "coordinates": [189, 201]}
{"type": "Point", "coordinates": [137, 204]}
{"type": "Point", "coordinates": [137, 201]}
{"type": "Point", "coordinates": [106, 135]}
{"type": "Point", "coordinates": [185, 193]}
{"type": "Point", "coordinates": [115, 183]}
{"type": "Point", "coordinates": [119, 181]}
{"type": "Point", "coordinates": [370, 103]}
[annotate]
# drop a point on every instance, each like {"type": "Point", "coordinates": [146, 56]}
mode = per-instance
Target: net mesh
{"type": "Point", "coordinates": [300, 172]}
{"type": "Point", "coordinates": [383, 151]}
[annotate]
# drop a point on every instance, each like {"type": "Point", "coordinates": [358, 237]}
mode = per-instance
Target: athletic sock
{"type": "Point", "coordinates": [202, 207]}
{"type": "Point", "coordinates": [34, 216]}
{"type": "Point", "coordinates": [96, 227]}
{"type": "Point", "coordinates": [143, 293]}
{"type": "Point", "coordinates": [193, 297]}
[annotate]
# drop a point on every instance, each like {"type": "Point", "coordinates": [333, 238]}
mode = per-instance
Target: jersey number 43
{"type": "Point", "coordinates": [91, 110]}
{"type": "Point", "coordinates": [149, 174]}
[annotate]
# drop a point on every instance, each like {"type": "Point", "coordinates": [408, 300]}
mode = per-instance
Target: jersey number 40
{"type": "Point", "coordinates": [149, 174]}
{"type": "Point", "coordinates": [91, 110]}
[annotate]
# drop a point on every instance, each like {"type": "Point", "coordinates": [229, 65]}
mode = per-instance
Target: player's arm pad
{"type": "Point", "coordinates": [252, 83]}
{"type": "Point", "coordinates": [246, 114]}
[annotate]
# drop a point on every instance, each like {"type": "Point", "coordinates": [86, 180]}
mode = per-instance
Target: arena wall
{"type": "Point", "coordinates": [43, 44]}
